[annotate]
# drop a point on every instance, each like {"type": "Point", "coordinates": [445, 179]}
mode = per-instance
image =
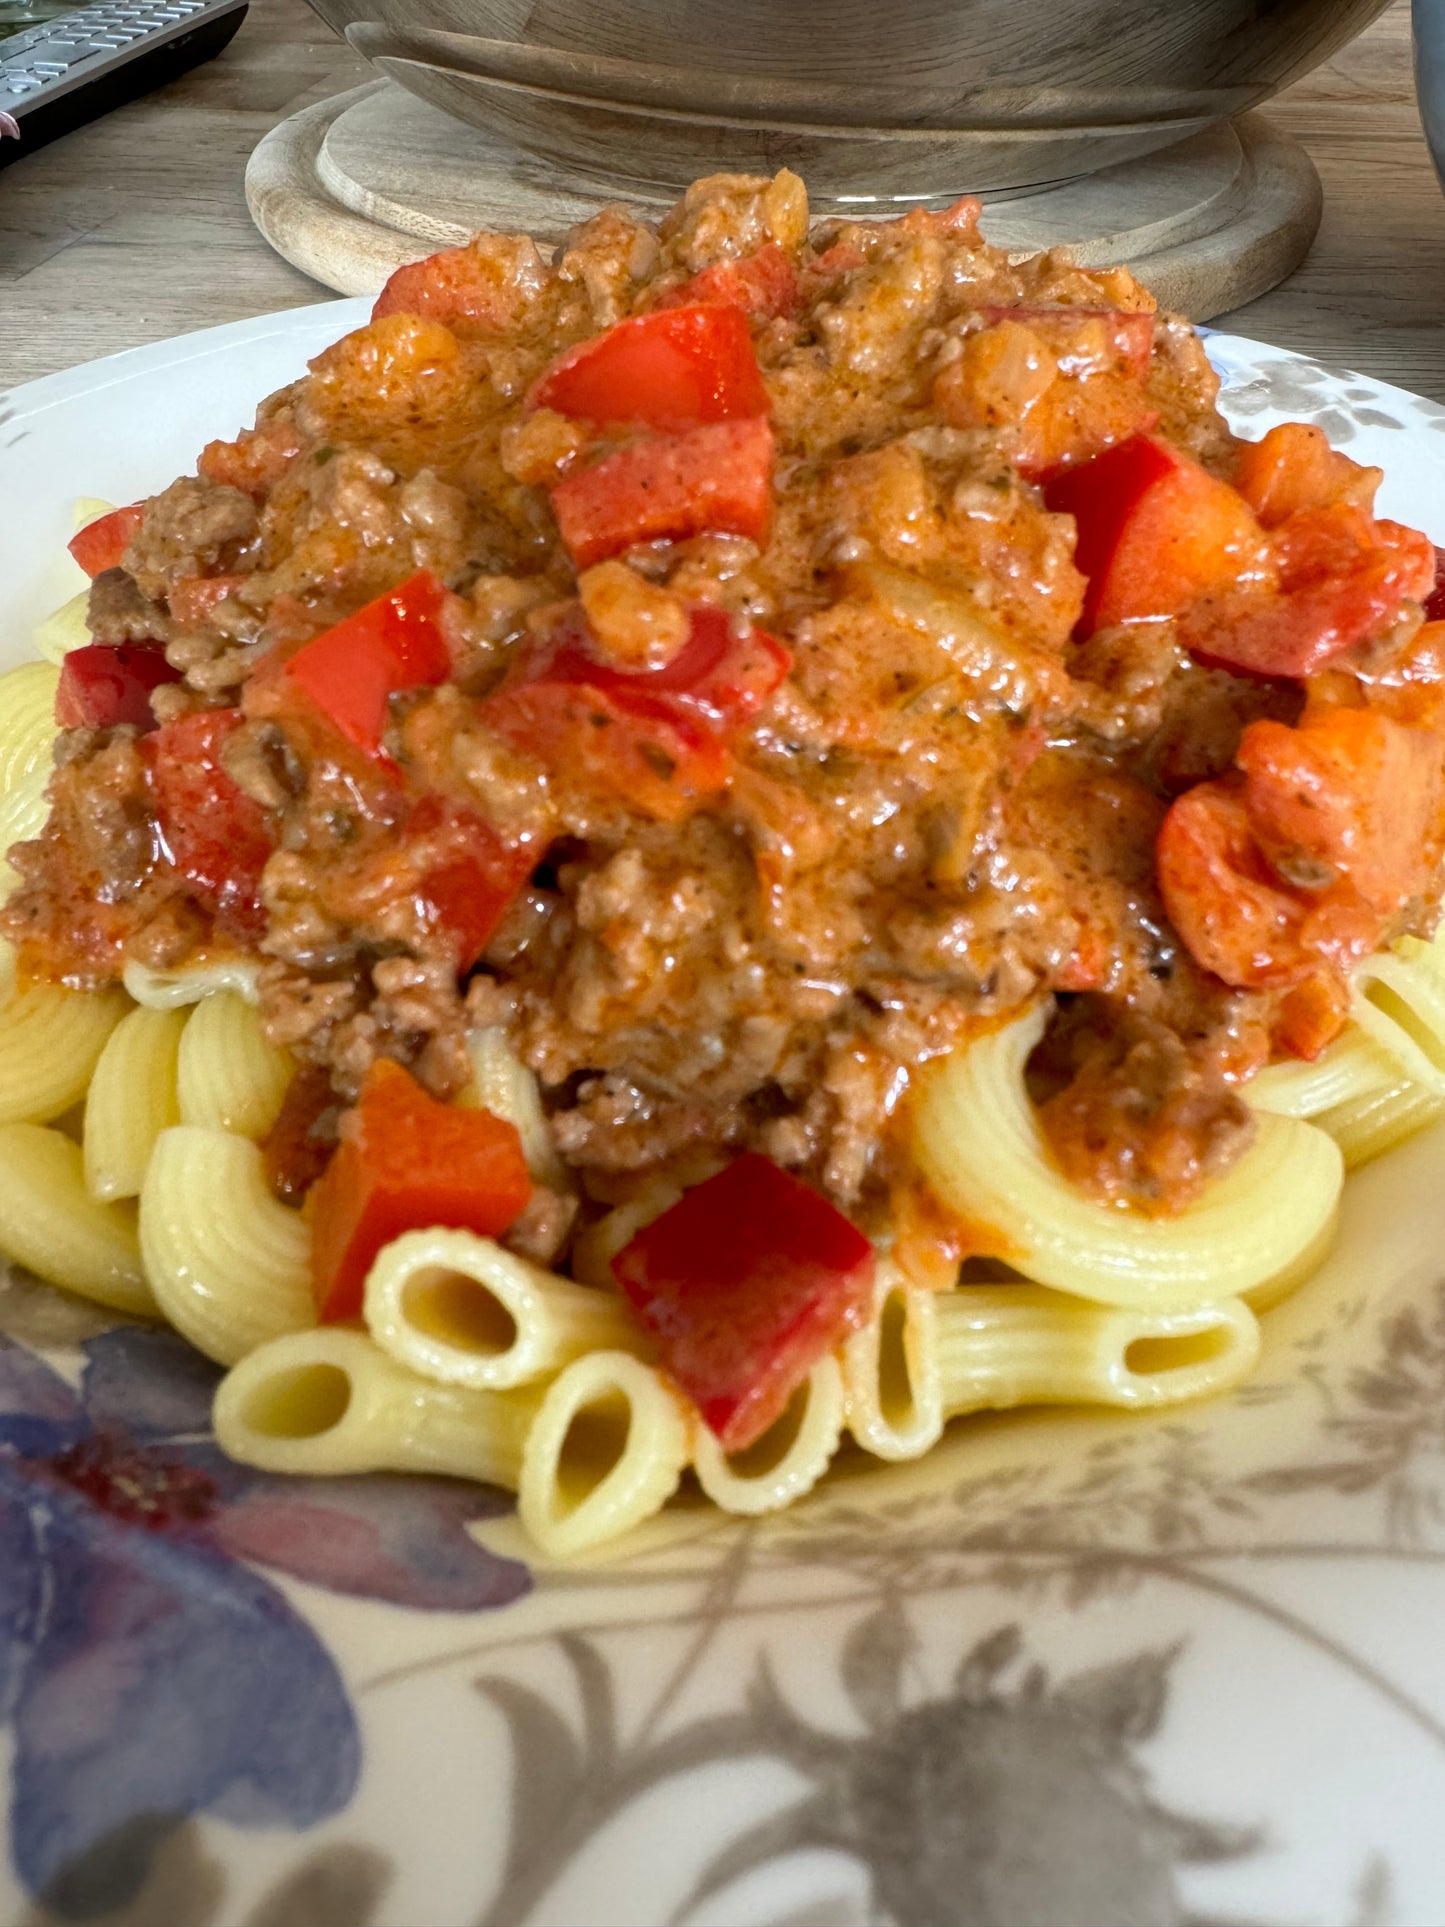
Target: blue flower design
{"type": "Point", "coordinates": [147, 1671]}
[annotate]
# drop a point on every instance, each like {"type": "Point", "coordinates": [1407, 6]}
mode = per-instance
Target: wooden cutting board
{"type": "Point", "coordinates": [350, 189]}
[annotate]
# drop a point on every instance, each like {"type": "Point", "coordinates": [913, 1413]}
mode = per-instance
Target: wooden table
{"type": "Point", "coordinates": [136, 228]}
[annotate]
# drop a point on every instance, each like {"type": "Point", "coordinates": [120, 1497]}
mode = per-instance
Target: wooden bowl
{"type": "Point", "coordinates": [872, 100]}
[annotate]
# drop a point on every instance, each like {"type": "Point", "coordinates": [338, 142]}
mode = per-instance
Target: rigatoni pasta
{"type": "Point", "coordinates": [1000, 1346]}
{"type": "Point", "coordinates": [787, 1460]}
{"type": "Point", "coordinates": [981, 1149]}
{"type": "Point", "coordinates": [465, 1311]}
{"type": "Point", "coordinates": [50, 1042]}
{"type": "Point", "coordinates": [605, 1451]}
{"type": "Point", "coordinates": [228, 1078]}
{"type": "Point", "coordinates": [235, 1273]}
{"type": "Point", "coordinates": [50, 1223]}
{"type": "Point", "coordinates": [893, 1394]}
{"type": "Point", "coordinates": [131, 1099]}
{"type": "Point", "coordinates": [330, 1401]}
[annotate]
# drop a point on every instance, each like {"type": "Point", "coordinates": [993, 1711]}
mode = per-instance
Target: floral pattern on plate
{"type": "Point", "coordinates": [1162, 1673]}
{"type": "Point", "coordinates": [147, 1671]}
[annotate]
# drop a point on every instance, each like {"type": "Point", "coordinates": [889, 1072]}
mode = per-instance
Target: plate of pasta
{"type": "Point", "coordinates": [721, 1080]}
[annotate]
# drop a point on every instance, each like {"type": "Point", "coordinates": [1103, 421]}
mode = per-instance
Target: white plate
{"type": "Point", "coordinates": [1068, 1672]}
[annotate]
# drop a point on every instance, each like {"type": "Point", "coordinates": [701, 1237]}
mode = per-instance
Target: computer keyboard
{"type": "Point", "coordinates": [66, 70]}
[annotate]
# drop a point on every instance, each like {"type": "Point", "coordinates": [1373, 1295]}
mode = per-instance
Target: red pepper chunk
{"type": "Point", "coordinates": [407, 1163]}
{"type": "Point", "coordinates": [1435, 601]}
{"type": "Point", "coordinates": [658, 737]}
{"type": "Point", "coordinates": [645, 750]}
{"type": "Point", "coordinates": [101, 686]}
{"type": "Point", "coordinates": [674, 368]}
{"type": "Point", "coordinates": [467, 875]}
{"type": "Point", "coordinates": [718, 477]}
{"type": "Point", "coordinates": [762, 283]}
{"type": "Point", "coordinates": [745, 1284]}
{"type": "Point", "coordinates": [216, 836]}
{"type": "Point", "coordinates": [101, 544]}
{"type": "Point", "coordinates": [1234, 915]}
{"type": "Point", "coordinates": [1342, 576]}
{"type": "Point", "coordinates": [1293, 467]}
{"type": "Point", "coordinates": [1155, 532]}
{"type": "Point", "coordinates": [352, 671]}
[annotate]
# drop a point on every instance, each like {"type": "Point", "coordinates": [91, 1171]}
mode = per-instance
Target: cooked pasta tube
{"type": "Point", "coordinates": [1400, 1005]}
{"type": "Point", "coordinates": [228, 1077]}
{"type": "Point", "coordinates": [66, 629]}
{"type": "Point", "coordinates": [980, 1147]}
{"type": "Point", "coordinates": [229, 1265]}
{"type": "Point", "coordinates": [606, 1450]}
{"type": "Point", "coordinates": [597, 1244]}
{"type": "Point", "coordinates": [790, 1457]}
{"type": "Point", "coordinates": [502, 1084]}
{"type": "Point", "coordinates": [50, 1223]}
{"type": "Point", "coordinates": [89, 508]}
{"type": "Point", "coordinates": [171, 989]}
{"type": "Point", "coordinates": [329, 1401]}
{"type": "Point", "coordinates": [1006, 1345]}
{"type": "Point", "coordinates": [131, 1100]}
{"type": "Point", "coordinates": [50, 1042]}
{"type": "Point", "coordinates": [1354, 1066]}
{"type": "Point", "coordinates": [891, 1389]}
{"type": "Point", "coordinates": [27, 742]}
{"type": "Point", "coordinates": [1366, 1127]}
{"type": "Point", "coordinates": [461, 1309]}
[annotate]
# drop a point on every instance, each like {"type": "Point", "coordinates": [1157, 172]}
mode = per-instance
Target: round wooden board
{"type": "Point", "coordinates": [352, 188]}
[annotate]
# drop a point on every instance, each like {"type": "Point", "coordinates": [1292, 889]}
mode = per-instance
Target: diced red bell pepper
{"type": "Point", "coordinates": [745, 1284]}
{"type": "Point", "coordinates": [668, 487]}
{"type": "Point", "coordinates": [194, 597]}
{"type": "Point", "coordinates": [216, 836]}
{"type": "Point", "coordinates": [673, 368]}
{"type": "Point", "coordinates": [101, 544]}
{"type": "Point", "coordinates": [1345, 794]}
{"type": "Point", "coordinates": [1293, 467]}
{"type": "Point", "coordinates": [1311, 1016]}
{"type": "Point", "coordinates": [407, 1163]}
{"type": "Point", "coordinates": [656, 737]}
{"type": "Point", "coordinates": [256, 459]}
{"type": "Point", "coordinates": [1342, 577]}
{"type": "Point", "coordinates": [469, 875]}
{"type": "Point", "coordinates": [1128, 333]}
{"type": "Point", "coordinates": [1155, 531]}
{"type": "Point", "coordinates": [352, 671]}
{"type": "Point", "coordinates": [101, 686]}
{"type": "Point", "coordinates": [1435, 601]}
{"type": "Point", "coordinates": [647, 750]}
{"type": "Point", "coordinates": [455, 284]}
{"type": "Point", "coordinates": [763, 283]}
{"type": "Point", "coordinates": [1234, 915]}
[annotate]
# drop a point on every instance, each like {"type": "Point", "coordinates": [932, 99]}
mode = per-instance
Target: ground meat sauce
{"type": "Point", "coordinates": [948, 808]}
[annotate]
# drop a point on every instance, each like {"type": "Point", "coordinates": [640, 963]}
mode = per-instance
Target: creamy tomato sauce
{"type": "Point", "coordinates": [783, 733]}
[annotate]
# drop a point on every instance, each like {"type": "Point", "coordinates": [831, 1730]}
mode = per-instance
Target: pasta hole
{"type": "Point", "coordinates": [461, 1312]}
{"type": "Point", "coordinates": [303, 1403]}
{"type": "Point", "coordinates": [895, 1383]}
{"type": "Point", "coordinates": [593, 1448]}
{"type": "Point", "coordinates": [767, 1453]}
{"type": "Point", "coordinates": [1156, 1357]}
{"type": "Point", "coordinates": [1391, 1004]}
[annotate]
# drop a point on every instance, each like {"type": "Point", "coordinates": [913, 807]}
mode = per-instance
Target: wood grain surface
{"type": "Point", "coordinates": [136, 228]}
{"type": "Point", "coordinates": [350, 189]}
